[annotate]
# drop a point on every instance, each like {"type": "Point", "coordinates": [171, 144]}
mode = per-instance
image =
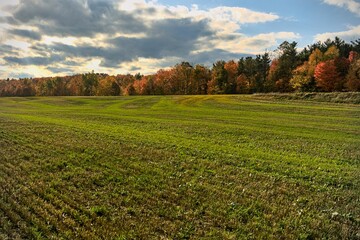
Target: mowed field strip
{"type": "Point", "coordinates": [178, 167]}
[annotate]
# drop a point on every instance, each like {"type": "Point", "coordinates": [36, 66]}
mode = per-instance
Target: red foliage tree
{"type": "Point", "coordinates": [164, 82]}
{"type": "Point", "coordinates": [328, 77]}
{"type": "Point", "coordinates": [141, 86]}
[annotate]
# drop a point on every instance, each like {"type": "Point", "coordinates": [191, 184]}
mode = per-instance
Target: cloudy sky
{"type": "Point", "coordinates": [61, 37]}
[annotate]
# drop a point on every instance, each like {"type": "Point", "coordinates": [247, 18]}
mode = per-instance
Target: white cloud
{"type": "Point", "coordinates": [352, 33]}
{"type": "Point", "coordinates": [257, 44]}
{"type": "Point", "coordinates": [24, 46]}
{"type": "Point", "coordinates": [224, 19]}
{"type": "Point", "coordinates": [351, 5]}
{"type": "Point", "coordinates": [230, 19]}
{"type": "Point", "coordinates": [241, 15]}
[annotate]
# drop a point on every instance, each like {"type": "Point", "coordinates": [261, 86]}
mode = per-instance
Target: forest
{"type": "Point", "coordinates": [333, 65]}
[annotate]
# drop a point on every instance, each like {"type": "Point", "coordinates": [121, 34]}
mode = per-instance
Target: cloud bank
{"type": "Point", "coordinates": [348, 35]}
{"type": "Point", "coordinates": [49, 37]}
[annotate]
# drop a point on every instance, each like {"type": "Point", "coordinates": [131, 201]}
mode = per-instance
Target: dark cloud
{"type": "Point", "coordinates": [112, 55]}
{"type": "Point", "coordinates": [209, 57]}
{"type": "Point", "coordinates": [34, 60]}
{"type": "Point", "coordinates": [10, 20]}
{"type": "Point", "coordinates": [85, 51]}
{"type": "Point", "coordinates": [20, 75]}
{"type": "Point", "coordinates": [75, 17]}
{"type": "Point", "coordinates": [7, 49]}
{"type": "Point", "coordinates": [230, 37]}
{"type": "Point", "coordinates": [147, 11]}
{"type": "Point", "coordinates": [70, 63]}
{"type": "Point", "coordinates": [26, 33]}
{"type": "Point", "coordinates": [165, 38]}
{"type": "Point", "coordinates": [59, 70]}
{"type": "Point", "coordinates": [259, 42]}
{"type": "Point", "coordinates": [134, 68]}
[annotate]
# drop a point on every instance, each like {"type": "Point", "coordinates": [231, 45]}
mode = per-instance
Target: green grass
{"type": "Point", "coordinates": [178, 167]}
{"type": "Point", "coordinates": [335, 97]}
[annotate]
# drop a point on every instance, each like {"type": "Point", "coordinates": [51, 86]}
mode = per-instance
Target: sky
{"type": "Point", "coordinates": [40, 38]}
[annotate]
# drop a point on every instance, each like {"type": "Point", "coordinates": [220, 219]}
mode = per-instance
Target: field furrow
{"type": "Point", "coordinates": [178, 167]}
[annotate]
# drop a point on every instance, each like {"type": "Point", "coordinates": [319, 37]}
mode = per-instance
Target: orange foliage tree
{"type": "Point", "coordinates": [108, 87]}
{"type": "Point", "coordinates": [232, 69]}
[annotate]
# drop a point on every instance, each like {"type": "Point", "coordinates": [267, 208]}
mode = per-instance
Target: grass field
{"type": "Point", "coordinates": [178, 167]}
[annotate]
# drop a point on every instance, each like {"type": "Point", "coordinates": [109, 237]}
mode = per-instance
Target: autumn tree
{"type": "Point", "coordinates": [336, 65]}
{"type": "Point", "coordinates": [332, 65]}
{"type": "Point", "coordinates": [281, 72]}
{"type": "Point", "coordinates": [231, 68]}
{"type": "Point", "coordinates": [353, 56]}
{"type": "Point", "coordinates": [76, 86]}
{"type": "Point", "coordinates": [149, 85]}
{"type": "Point", "coordinates": [23, 88]}
{"type": "Point", "coordinates": [60, 85]}
{"type": "Point", "coordinates": [49, 87]}
{"type": "Point", "coordinates": [272, 77]}
{"type": "Point", "coordinates": [219, 77]}
{"type": "Point", "coordinates": [3, 85]}
{"type": "Point", "coordinates": [343, 48]}
{"type": "Point", "coordinates": [140, 86]}
{"type": "Point", "coordinates": [145, 86]}
{"type": "Point", "coordinates": [342, 65]}
{"type": "Point", "coordinates": [202, 76]}
{"type": "Point", "coordinates": [9, 88]}
{"type": "Point", "coordinates": [90, 82]}
{"type": "Point", "coordinates": [129, 90]}
{"type": "Point", "coordinates": [315, 58]}
{"type": "Point", "coordinates": [246, 74]}
{"type": "Point", "coordinates": [328, 77]}
{"type": "Point", "coordinates": [303, 76]}
{"type": "Point", "coordinates": [163, 82]}
{"type": "Point", "coordinates": [124, 81]}
{"type": "Point", "coordinates": [108, 87]}
{"type": "Point", "coordinates": [331, 53]}
{"type": "Point", "coordinates": [242, 84]}
{"type": "Point", "coordinates": [353, 76]}
{"type": "Point", "coordinates": [183, 78]}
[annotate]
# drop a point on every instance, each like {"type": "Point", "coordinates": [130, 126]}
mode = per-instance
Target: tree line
{"type": "Point", "coordinates": [333, 65]}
